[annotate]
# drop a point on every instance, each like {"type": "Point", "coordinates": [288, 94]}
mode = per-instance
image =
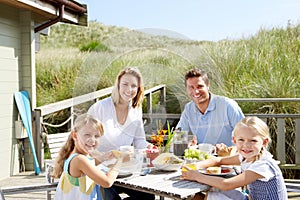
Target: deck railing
{"type": "Point", "coordinates": [70, 104]}
{"type": "Point", "coordinates": [279, 119]}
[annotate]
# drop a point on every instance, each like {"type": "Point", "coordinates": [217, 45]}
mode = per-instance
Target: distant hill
{"type": "Point", "coordinates": [66, 35]}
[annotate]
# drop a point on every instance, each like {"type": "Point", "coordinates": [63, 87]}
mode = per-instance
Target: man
{"type": "Point", "coordinates": [211, 118]}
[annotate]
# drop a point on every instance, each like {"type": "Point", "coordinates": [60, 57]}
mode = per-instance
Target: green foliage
{"type": "Point", "coordinates": [265, 65]}
{"type": "Point", "coordinates": [94, 46]}
{"type": "Point", "coordinates": [66, 35]}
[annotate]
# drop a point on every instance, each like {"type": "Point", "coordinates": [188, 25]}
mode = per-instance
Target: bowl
{"type": "Point", "coordinates": [167, 162]}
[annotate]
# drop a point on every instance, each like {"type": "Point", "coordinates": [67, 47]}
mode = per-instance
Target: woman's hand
{"type": "Point", "coordinates": [151, 146]}
{"type": "Point", "coordinates": [123, 156]}
{"type": "Point", "coordinates": [101, 156]}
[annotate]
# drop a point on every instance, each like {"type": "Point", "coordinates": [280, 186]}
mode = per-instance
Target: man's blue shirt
{"type": "Point", "coordinates": [216, 124]}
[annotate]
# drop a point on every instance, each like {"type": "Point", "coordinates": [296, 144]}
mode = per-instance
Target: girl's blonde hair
{"type": "Point", "coordinates": [81, 122]}
{"type": "Point", "coordinates": [138, 99]}
{"type": "Point", "coordinates": [256, 124]}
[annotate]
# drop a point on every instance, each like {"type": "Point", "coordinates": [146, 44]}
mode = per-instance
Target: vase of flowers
{"type": "Point", "coordinates": [163, 139]}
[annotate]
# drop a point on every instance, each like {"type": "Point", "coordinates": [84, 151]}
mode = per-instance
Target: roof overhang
{"type": "Point", "coordinates": [47, 10]}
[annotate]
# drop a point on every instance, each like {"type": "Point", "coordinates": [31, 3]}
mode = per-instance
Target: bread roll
{"type": "Point", "coordinates": [213, 170]}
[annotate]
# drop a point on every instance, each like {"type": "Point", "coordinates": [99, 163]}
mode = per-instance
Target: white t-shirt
{"type": "Point", "coordinates": [260, 166]}
{"type": "Point", "coordinates": [115, 134]}
{"type": "Point", "coordinates": [271, 186]}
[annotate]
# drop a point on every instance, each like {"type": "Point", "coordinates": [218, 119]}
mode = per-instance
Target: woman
{"type": "Point", "coordinates": [121, 116]}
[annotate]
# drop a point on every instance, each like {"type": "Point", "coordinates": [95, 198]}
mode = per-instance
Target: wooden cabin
{"type": "Point", "coordinates": [21, 23]}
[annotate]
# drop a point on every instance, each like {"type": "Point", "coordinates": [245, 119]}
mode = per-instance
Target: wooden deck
{"type": "Point", "coordinates": [25, 179]}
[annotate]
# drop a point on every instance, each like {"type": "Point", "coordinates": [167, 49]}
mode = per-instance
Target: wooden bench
{"type": "Point", "coordinates": [292, 185]}
{"type": "Point", "coordinates": [55, 142]}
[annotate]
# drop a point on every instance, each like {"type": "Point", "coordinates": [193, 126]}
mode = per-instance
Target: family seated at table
{"type": "Point", "coordinates": [117, 121]}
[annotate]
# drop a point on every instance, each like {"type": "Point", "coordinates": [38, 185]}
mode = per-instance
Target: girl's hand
{"type": "Point", "coordinates": [189, 174]}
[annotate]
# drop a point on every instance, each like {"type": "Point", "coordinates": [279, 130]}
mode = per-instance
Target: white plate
{"type": "Point", "coordinates": [224, 171]}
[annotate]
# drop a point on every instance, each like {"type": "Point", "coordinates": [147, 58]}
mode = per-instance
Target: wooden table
{"type": "Point", "coordinates": [164, 184]}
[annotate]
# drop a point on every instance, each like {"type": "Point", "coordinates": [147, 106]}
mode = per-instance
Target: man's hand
{"type": "Point", "coordinates": [223, 150]}
{"type": "Point", "coordinates": [193, 142]}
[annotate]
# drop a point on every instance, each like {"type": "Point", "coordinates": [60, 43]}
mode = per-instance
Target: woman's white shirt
{"type": "Point", "coordinates": [115, 134]}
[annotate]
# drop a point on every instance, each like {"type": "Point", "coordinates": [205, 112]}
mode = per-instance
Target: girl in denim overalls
{"type": "Point", "coordinates": [259, 170]}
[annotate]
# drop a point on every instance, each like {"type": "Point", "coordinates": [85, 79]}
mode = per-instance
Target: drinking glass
{"type": "Point", "coordinates": [180, 142]}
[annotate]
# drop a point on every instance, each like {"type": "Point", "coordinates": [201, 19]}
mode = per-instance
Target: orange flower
{"type": "Point", "coordinates": [158, 138]}
{"type": "Point", "coordinates": [162, 132]}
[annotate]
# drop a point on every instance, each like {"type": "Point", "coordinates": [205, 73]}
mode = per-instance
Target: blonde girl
{"type": "Point", "coordinates": [259, 170]}
{"type": "Point", "coordinates": [79, 176]}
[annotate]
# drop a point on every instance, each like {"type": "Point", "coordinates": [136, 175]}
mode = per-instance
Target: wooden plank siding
{"type": "Point", "coordinates": [18, 21]}
{"type": "Point", "coordinates": [9, 83]}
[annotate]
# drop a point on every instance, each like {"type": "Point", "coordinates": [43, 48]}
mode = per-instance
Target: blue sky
{"type": "Point", "coordinates": [196, 19]}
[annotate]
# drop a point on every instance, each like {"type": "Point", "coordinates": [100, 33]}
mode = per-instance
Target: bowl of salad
{"type": "Point", "coordinates": [195, 155]}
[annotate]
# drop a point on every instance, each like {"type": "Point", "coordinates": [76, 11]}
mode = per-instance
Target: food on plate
{"type": "Point", "coordinates": [196, 154]}
{"type": "Point", "coordinates": [173, 160]}
{"type": "Point", "coordinates": [168, 158]}
{"type": "Point", "coordinates": [167, 162]}
{"type": "Point", "coordinates": [213, 170]}
{"type": "Point", "coordinates": [225, 170]}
